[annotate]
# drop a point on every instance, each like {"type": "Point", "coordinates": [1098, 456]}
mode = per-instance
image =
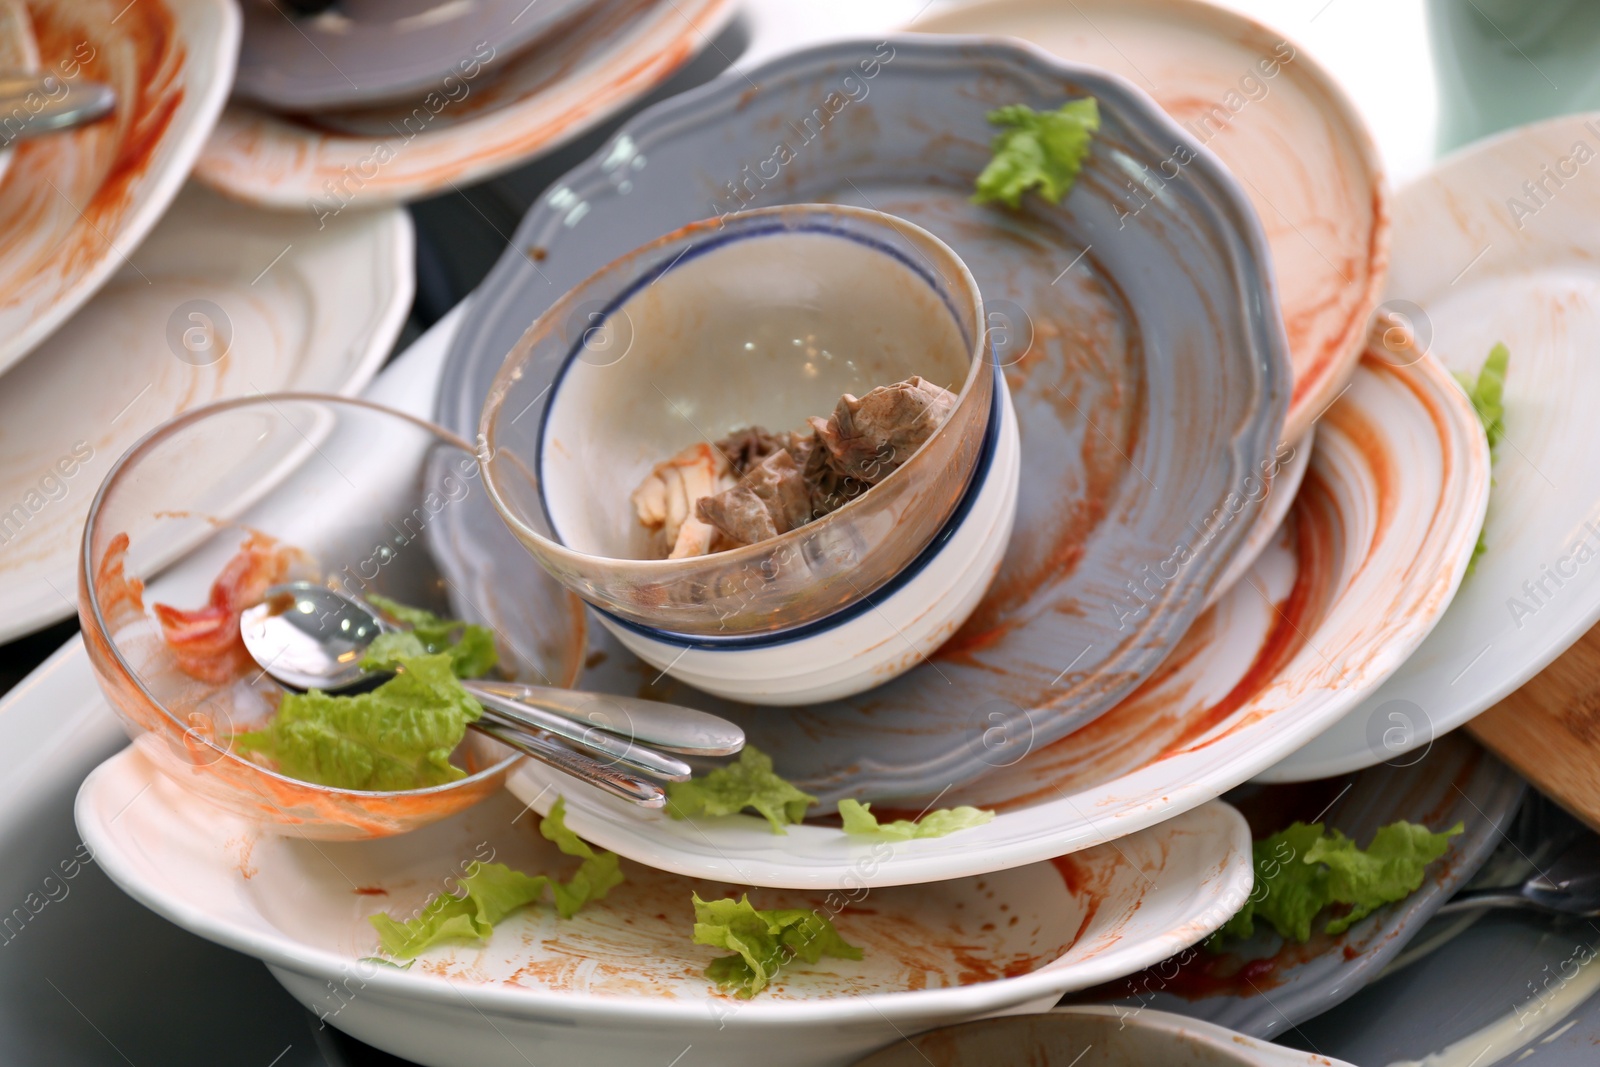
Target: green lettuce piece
{"type": "Point", "coordinates": [397, 736]}
{"type": "Point", "coordinates": [858, 819]}
{"type": "Point", "coordinates": [1487, 393]}
{"type": "Point", "coordinates": [749, 783]}
{"type": "Point", "coordinates": [1041, 150]}
{"type": "Point", "coordinates": [471, 647]}
{"type": "Point", "coordinates": [1389, 869]}
{"type": "Point", "coordinates": [1304, 868]}
{"type": "Point", "coordinates": [762, 941]}
{"type": "Point", "coordinates": [491, 891]}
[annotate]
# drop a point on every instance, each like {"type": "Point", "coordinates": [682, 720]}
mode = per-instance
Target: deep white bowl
{"type": "Point", "coordinates": [763, 317]}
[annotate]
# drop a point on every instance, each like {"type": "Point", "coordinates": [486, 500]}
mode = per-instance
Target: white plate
{"type": "Point", "coordinates": [1482, 270]}
{"type": "Point", "coordinates": [74, 206]}
{"type": "Point", "coordinates": [605, 59]}
{"type": "Point", "coordinates": [18, 52]}
{"type": "Point", "coordinates": [221, 300]}
{"type": "Point", "coordinates": [621, 981]}
{"type": "Point", "coordinates": [1279, 121]}
{"type": "Point", "coordinates": [1377, 542]}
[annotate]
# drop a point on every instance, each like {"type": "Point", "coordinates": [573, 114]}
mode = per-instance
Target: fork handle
{"type": "Point", "coordinates": [1479, 899]}
{"type": "Point", "coordinates": [629, 787]}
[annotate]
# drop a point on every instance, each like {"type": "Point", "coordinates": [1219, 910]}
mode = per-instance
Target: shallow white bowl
{"type": "Point", "coordinates": [621, 983]}
{"type": "Point", "coordinates": [880, 636]}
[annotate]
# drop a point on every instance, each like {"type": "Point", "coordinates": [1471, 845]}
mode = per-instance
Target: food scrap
{"type": "Point", "coordinates": [749, 783]}
{"type": "Point", "coordinates": [1487, 393]}
{"type": "Point", "coordinates": [755, 484]}
{"type": "Point", "coordinates": [859, 821]}
{"type": "Point", "coordinates": [397, 736]}
{"type": "Point", "coordinates": [471, 647]}
{"type": "Point", "coordinates": [1039, 150]}
{"type": "Point", "coordinates": [491, 891]}
{"type": "Point", "coordinates": [205, 642]}
{"type": "Point", "coordinates": [764, 941]}
{"type": "Point", "coordinates": [1305, 868]}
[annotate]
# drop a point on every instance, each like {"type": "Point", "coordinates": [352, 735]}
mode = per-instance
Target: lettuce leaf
{"type": "Point", "coordinates": [397, 736]}
{"type": "Point", "coordinates": [858, 819]}
{"type": "Point", "coordinates": [1305, 868]}
{"type": "Point", "coordinates": [1487, 393]}
{"type": "Point", "coordinates": [491, 891]}
{"type": "Point", "coordinates": [1040, 150]}
{"type": "Point", "coordinates": [749, 783]}
{"type": "Point", "coordinates": [471, 647]}
{"type": "Point", "coordinates": [762, 941]}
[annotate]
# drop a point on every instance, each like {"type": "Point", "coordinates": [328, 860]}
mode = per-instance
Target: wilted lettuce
{"type": "Point", "coordinates": [859, 820]}
{"type": "Point", "coordinates": [1305, 868]}
{"type": "Point", "coordinates": [1039, 150]}
{"type": "Point", "coordinates": [491, 891]}
{"type": "Point", "coordinates": [471, 647]}
{"type": "Point", "coordinates": [762, 941]}
{"type": "Point", "coordinates": [397, 736]}
{"type": "Point", "coordinates": [749, 783]}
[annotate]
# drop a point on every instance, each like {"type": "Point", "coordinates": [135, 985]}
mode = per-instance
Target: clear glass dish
{"type": "Point", "coordinates": [327, 488]}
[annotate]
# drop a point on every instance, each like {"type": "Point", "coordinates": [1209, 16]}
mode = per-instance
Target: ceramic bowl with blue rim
{"type": "Point", "coordinates": [764, 318]}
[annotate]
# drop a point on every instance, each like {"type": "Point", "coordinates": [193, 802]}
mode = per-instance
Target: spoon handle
{"type": "Point", "coordinates": [608, 748]}
{"type": "Point", "coordinates": [666, 726]}
{"type": "Point", "coordinates": [618, 783]}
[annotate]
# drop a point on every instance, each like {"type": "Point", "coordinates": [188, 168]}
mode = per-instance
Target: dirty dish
{"type": "Point", "coordinates": [1479, 260]}
{"type": "Point", "coordinates": [74, 206]}
{"type": "Point", "coordinates": [279, 304]}
{"type": "Point", "coordinates": [236, 494]}
{"type": "Point", "coordinates": [612, 54]}
{"type": "Point", "coordinates": [621, 981]}
{"type": "Point", "coordinates": [363, 52]}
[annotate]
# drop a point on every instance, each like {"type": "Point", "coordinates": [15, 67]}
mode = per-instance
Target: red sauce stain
{"type": "Point", "coordinates": [206, 641]}
{"type": "Point", "coordinates": [370, 891]}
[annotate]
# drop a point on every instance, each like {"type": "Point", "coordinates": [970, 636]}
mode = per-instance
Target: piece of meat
{"type": "Point", "coordinates": [739, 515]}
{"type": "Point", "coordinates": [868, 439]}
{"type": "Point", "coordinates": [747, 447]}
{"type": "Point", "coordinates": [666, 500]}
{"type": "Point", "coordinates": [771, 499]}
{"type": "Point", "coordinates": [205, 641]}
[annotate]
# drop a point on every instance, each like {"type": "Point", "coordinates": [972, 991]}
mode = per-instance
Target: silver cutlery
{"type": "Point", "coordinates": [307, 636]}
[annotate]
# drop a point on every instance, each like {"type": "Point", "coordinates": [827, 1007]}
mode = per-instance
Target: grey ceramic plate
{"type": "Point", "coordinates": [362, 52]}
{"type": "Point", "coordinates": [1139, 332]}
{"type": "Point", "coordinates": [1263, 988]}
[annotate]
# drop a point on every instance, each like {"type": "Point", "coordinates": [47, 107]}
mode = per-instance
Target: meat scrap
{"type": "Point", "coordinates": [665, 501]}
{"type": "Point", "coordinates": [755, 484]}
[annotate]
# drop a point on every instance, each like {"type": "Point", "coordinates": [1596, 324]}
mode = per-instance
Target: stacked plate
{"type": "Point", "coordinates": [1245, 546]}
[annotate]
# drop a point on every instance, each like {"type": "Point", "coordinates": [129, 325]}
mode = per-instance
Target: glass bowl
{"type": "Point", "coordinates": [275, 488]}
{"type": "Point", "coordinates": [759, 318]}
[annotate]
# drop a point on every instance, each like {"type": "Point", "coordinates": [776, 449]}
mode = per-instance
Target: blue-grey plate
{"type": "Point", "coordinates": [1137, 324]}
{"type": "Point", "coordinates": [1262, 987]}
{"type": "Point", "coordinates": [363, 52]}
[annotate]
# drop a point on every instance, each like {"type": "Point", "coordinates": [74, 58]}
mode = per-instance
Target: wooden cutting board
{"type": "Point", "coordinates": [1549, 730]}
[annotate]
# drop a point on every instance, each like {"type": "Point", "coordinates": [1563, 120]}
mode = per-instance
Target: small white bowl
{"type": "Point", "coordinates": [879, 636]}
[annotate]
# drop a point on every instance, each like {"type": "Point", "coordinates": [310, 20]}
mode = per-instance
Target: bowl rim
{"type": "Point", "coordinates": [93, 622]}
{"type": "Point", "coordinates": [963, 285]}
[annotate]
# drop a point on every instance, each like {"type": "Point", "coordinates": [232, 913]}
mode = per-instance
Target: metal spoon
{"type": "Point", "coordinates": [34, 104]}
{"type": "Point", "coordinates": [308, 636]}
{"type": "Point", "coordinates": [1570, 885]}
